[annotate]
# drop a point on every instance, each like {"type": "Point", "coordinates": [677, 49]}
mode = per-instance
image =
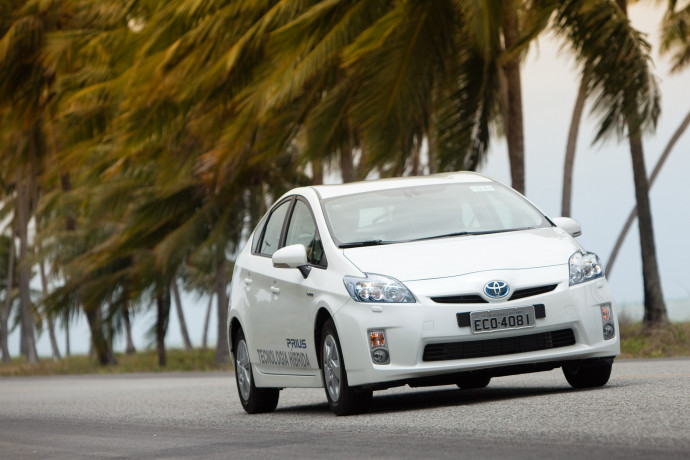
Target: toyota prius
{"type": "Point", "coordinates": [449, 279]}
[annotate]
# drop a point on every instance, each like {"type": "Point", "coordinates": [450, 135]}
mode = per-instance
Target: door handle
{"type": "Point", "coordinates": [275, 289]}
{"type": "Point", "coordinates": [248, 281]}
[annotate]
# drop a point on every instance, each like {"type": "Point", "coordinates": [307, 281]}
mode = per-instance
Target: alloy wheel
{"type": "Point", "coordinates": [243, 370]}
{"type": "Point", "coordinates": [331, 367]}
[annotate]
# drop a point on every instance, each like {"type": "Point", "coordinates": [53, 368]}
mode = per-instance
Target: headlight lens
{"type": "Point", "coordinates": [377, 288]}
{"type": "Point", "coordinates": [584, 266]}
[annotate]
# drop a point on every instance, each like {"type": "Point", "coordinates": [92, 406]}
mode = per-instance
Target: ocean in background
{"type": "Point", "coordinates": [678, 310]}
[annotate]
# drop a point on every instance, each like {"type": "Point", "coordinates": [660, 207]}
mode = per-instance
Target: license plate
{"type": "Point", "coordinates": [500, 320]}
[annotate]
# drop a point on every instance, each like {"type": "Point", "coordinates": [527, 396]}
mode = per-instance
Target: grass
{"type": "Point", "coordinates": [636, 343]}
{"type": "Point", "coordinates": [658, 343]}
{"type": "Point", "coordinates": [145, 361]}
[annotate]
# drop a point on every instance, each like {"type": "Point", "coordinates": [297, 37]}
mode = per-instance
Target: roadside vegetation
{"type": "Point", "coordinates": [143, 361]}
{"type": "Point", "coordinates": [667, 342]}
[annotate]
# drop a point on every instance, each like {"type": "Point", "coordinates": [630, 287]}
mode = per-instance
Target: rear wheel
{"type": "Point", "coordinates": [254, 400]}
{"type": "Point", "coordinates": [473, 382]}
{"type": "Point", "coordinates": [342, 399]}
{"type": "Point", "coordinates": [588, 374]}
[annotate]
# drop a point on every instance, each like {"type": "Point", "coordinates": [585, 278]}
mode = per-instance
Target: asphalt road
{"type": "Point", "coordinates": [644, 412]}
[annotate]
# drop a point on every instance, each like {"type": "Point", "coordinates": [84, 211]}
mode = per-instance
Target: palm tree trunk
{"type": "Point", "coordinates": [28, 341]}
{"type": "Point", "coordinates": [5, 311]}
{"type": "Point", "coordinates": [633, 213]}
{"type": "Point", "coordinates": [571, 147]}
{"type": "Point", "coordinates": [317, 172]}
{"type": "Point", "coordinates": [70, 226]}
{"type": "Point", "coordinates": [53, 340]}
{"type": "Point", "coordinates": [51, 323]}
{"type": "Point", "coordinates": [416, 157]}
{"type": "Point", "coordinates": [207, 320]}
{"type": "Point", "coordinates": [513, 122]}
{"type": "Point", "coordinates": [432, 153]}
{"type": "Point", "coordinates": [347, 166]}
{"type": "Point", "coordinates": [130, 350]}
{"type": "Point", "coordinates": [163, 310]}
{"type": "Point", "coordinates": [180, 317]}
{"type": "Point", "coordinates": [67, 347]}
{"type": "Point", "coordinates": [222, 352]}
{"type": "Point", "coordinates": [99, 340]}
{"type": "Point", "coordinates": [655, 308]}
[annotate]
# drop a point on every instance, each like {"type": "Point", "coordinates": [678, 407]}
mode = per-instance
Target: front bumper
{"type": "Point", "coordinates": [410, 328]}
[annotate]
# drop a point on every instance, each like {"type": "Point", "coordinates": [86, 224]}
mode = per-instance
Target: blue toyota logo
{"type": "Point", "coordinates": [496, 289]}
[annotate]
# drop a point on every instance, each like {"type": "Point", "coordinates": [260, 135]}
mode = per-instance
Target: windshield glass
{"type": "Point", "coordinates": [425, 212]}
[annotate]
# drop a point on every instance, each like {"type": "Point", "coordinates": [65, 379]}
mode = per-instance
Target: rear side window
{"type": "Point", "coordinates": [273, 230]}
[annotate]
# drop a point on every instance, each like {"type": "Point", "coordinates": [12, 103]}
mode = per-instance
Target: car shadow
{"type": "Point", "coordinates": [417, 399]}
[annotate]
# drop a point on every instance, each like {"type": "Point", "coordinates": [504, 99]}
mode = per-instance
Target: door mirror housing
{"type": "Point", "coordinates": [571, 226]}
{"type": "Point", "coordinates": [293, 256]}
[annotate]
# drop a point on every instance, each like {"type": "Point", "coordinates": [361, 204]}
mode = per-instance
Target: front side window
{"type": "Point", "coordinates": [431, 211]}
{"type": "Point", "coordinates": [273, 230]}
{"type": "Point", "coordinates": [302, 230]}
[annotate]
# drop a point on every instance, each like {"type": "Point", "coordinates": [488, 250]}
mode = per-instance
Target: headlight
{"type": "Point", "coordinates": [584, 266]}
{"type": "Point", "coordinates": [377, 288]}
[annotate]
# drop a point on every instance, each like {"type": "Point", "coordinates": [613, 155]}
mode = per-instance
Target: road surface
{"type": "Point", "coordinates": [644, 412]}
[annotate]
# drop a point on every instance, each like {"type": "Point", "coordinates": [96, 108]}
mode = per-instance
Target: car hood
{"type": "Point", "coordinates": [454, 256]}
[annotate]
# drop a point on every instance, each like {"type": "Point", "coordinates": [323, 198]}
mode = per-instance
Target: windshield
{"type": "Point", "coordinates": [426, 212]}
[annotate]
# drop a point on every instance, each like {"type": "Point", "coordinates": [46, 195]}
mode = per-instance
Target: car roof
{"type": "Point", "coordinates": [330, 191]}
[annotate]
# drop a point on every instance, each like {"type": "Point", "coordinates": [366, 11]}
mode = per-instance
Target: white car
{"type": "Point", "coordinates": [445, 279]}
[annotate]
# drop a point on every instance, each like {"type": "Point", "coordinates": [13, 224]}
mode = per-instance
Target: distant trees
{"type": "Point", "coordinates": [144, 139]}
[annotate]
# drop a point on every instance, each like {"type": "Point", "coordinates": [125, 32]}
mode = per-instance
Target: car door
{"type": "Point", "coordinates": [259, 284]}
{"type": "Point", "coordinates": [295, 295]}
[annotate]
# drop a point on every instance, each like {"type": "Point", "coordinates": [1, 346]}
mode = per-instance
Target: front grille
{"type": "Point", "coordinates": [476, 298]}
{"type": "Point", "coordinates": [529, 292]}
{"type": "Point", "coordinates": [498, 347]}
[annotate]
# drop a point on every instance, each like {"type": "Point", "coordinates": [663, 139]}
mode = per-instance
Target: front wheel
{"type": "Point", "coordinates": [342, 399]}
{"type": "Point", "coordinates": [254, 400]}
{"type": "Point", "coordinates": [588, 374]}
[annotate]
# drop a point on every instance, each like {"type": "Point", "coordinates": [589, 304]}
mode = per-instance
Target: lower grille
{"type": "Point", "coordinates": [498, 347]}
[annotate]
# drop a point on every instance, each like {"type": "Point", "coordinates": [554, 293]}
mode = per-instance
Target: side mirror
{"type": "Point", "coordinates": [293, 256]}
{"type": "Point", "coordinates": [569, 225]}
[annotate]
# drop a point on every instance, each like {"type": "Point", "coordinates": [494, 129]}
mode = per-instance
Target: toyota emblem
{"type": "Point", "coordinates": [496, 289]}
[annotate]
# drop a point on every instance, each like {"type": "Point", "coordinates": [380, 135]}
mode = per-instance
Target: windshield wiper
{"type": "Point", "coordinates": [483, 232]}
{"type": "Point", "coordinates": [360, 244]}
{"type": "Point", "coordinates": [445, 235]}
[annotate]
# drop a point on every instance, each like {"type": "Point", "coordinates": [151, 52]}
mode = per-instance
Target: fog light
{"type": "Point", "coordinates": [609, 331]}
{"type": "Point", "coordinates": [380, 356]}
{"type": "Point", "coordinates": [377, 339]}
{"type": "Point", "coordinates": [378, 346]}
{"type": "Point", "coordinates": [606, 313]}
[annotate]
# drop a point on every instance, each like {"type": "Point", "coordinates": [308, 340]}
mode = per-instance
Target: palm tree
{"type": "Point", "coordinates": [675, 37]}
{"type": "Point", "coordinates": [655, 307]}
{"type": "Point", "coordinates": [24, 88]}
{"type": "Point", "coordinates": [391, 74]}
{"type": "Point", "coordinates": [632, 116]}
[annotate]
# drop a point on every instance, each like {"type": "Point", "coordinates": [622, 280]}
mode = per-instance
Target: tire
{"type": "Point", "coordinates": [474, 382]}
{"type": "Point", "coordinates": [342, 399]}
{"type": "Point", "coordinates": [588, 374]}
{"type": "Point", "coordinates": [254, 400]}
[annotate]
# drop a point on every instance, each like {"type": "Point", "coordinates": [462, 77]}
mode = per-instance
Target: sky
{"type": "Point", "coordinates": [603, 189]}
